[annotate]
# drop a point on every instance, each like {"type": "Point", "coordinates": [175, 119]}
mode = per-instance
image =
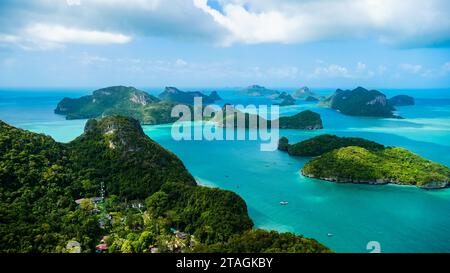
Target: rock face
{"type": "Point", "coordinates": [360, 102]}
{"type": "Point", "coordinates": [306, 120]}
{"type": "Point", "coordinates": [401, 100]}
{"type": "Point", "coordinates": [259, 91]}
{"type": "Point", "coordinates": [117, 100]}
{"type": "Point", "coordinates": [304, 93]}
{"type": "Point", "coordinates": [134, 165]}
{"type": "Point", "coordinates": [390, 165]}
{"type": "Point", "coordinates": [174, 95]}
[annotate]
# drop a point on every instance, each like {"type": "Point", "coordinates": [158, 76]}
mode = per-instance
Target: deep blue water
{"type": "Point", "coordinates": [401, 218]}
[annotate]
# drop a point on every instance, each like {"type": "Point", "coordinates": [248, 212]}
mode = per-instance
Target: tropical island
{"type": "Point", "coordinates": [358, 160]}
{"type": "Point", "coordinates": [390, 165]}
{"type": "Point", "coordinates": [117, 100]}
{"type": "Point", "coordinates": [325, 143]}
{"type": "Point", "coordinates": [287, 101]}
{"type": "Point", "coordinates": [360, 102]}
{"type": "Point", "coordinates": [113, 189]}
{"type": "Point", "coordinates": [305, 93]}
{"type": "Point", "coordinates": [175, 95]}
{"type": "Point", "coordinates": [401, 100]}
{"type": "Point", "coordinates": [259, 91]}
{"type": "Point", "coordinates": [132, 102]}
{"type": "Point", "coordinates": [305, 120]}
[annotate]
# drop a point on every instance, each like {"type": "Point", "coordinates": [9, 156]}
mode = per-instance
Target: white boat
{"type": "Point", "coordinates": [284, 202]}
{"type": "Point", "coordinates": [330, 234]}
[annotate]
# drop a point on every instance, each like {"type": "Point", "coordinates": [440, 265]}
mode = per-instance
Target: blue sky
{"type": "Point", "coordinates": [225, 43]}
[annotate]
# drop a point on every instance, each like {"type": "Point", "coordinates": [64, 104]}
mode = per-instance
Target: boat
{"type": "Point", "coordinates": [330, 234]}
{"type": "Point", "coordinates": [284, 202]}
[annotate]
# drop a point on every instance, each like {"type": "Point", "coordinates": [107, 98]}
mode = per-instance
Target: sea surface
{"type": "Point", "coordinates": [345, 217]}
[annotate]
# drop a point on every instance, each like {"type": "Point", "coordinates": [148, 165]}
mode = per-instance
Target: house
{"type": "Point", "coordinates": [100, 248]}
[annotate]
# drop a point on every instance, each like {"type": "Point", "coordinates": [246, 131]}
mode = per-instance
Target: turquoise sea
{"type": "Point", "coordinates": [400, 218]}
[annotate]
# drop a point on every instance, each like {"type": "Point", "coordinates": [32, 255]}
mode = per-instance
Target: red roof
{"type": "Point", "coordinates": [102, 246]}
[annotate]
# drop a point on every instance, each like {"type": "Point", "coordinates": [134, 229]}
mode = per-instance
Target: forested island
{"type": "Point", "coordinates": [306, 94]}
{"type": "Point", "coordinates": [390, 165]}
{"type": "Point", "coordinates": [402, 100]}
{"type": "Point", "coordinates": [358, 160]}
{"type": "Point", "coordinates": [259, 91]}
{"type": "Point", "coordinates": [325, 143]}
{"type": "Point", "coordinates": [305, 120]}
{"type": "Point", "coordinates": [132, 102]}
{"type": "Point", "coordinates": [175, 95]}
{"type": "Point", "coordinates": [360, 102]}
{"type": "Point", "coordinates": [113, 189]}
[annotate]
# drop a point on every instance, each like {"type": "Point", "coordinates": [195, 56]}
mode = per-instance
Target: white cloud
{"type": "Point", "coordinates": [61, 34]}
{"type": "Point", "coordinates": [332, 70]}
{"type": "Point", "coordinates": [73, 2]}
{"type": "Point", "coordinates": [409, 22]}
{"type": "Point", "coordinates": [411, 68]}
{"type": "Point", "coordinates": [43, 37]}
{"type": "Point", "coordinates": [180, 62]}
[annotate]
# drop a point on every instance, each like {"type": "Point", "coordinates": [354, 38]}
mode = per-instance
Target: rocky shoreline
{"type": "Point", "coordinates": [428, 186]}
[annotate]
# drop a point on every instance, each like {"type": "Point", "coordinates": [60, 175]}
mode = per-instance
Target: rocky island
{"type": "Point", "coordinates": [305, 93]}
{"type": "Point", "coordinates": [287, 101]}
{"type": "Point", "coordinates": [174, 95]}
{"type": "Point", "coordinates": [115, 185]}
{"type": "Point", "coordinates": [259, 91]}
{"type": "Point", "coordinates": [117, 100]}
{"type": "Point", "coordinates": [360, 102]}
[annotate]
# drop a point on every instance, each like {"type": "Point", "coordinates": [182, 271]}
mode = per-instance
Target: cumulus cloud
{"type": "Point", "coordinates": [63, 34]}
{"type": "Point", "coordinates": [92, 21]}
{"type": "Point", "coordinates": [405, 23]}
{"type": "Point", "coordinates": [44, 37]}
{"type": "Point", "coordinates": [399, 22]}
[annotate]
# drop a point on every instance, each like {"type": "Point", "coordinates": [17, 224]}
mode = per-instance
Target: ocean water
{"type": "Point", "coordinates": [400, 218]}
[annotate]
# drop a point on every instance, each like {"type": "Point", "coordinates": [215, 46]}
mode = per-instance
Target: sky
{"type": "Point", "coordinates": [225, 43]}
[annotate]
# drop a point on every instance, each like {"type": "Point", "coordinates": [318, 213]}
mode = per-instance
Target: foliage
{"type": "Point", "coordinates": [388, 165]}
{"type": "Point", "coordinates": [175, 95]}
{"type": "Point", "coordinates": [261, 241]}
{"type": "Point", "coordinates": [37, 192]}
{"type": "Point", "coordinates": [118, 100]}
{"type": "Point", "coordinates": [305, 120]}
{"type": "Point", "coordinates": [116, 151]}
{"type": "Point", "coordinates": [41, 179]}
{"type": "Point", "coordinates": [325, 143]}
{"type": "Point", "coordinates": [360, 102]}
